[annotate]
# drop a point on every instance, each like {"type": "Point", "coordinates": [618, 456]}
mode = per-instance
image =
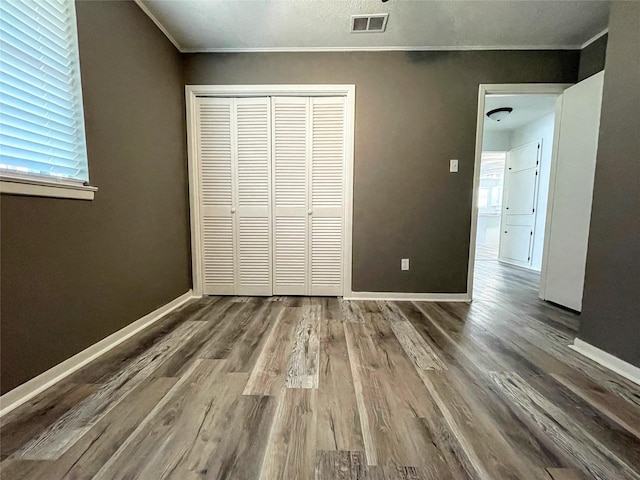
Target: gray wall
{"type": "Point", "coordinates": [592, 58]}
{"type": "Point", "coordinates": [611, 307]}
{"type": "Point", "coordinates": [414, 112]}
{"type": "Point", "coordinates": [75, 271]}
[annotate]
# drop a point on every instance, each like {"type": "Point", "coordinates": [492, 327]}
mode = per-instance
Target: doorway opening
{"type": "Point", "coordinates": [492, 165]}
{"type": "Point", "coordinates": [547, 184]}
{"type": "Point", "coordinates": [513, 184]}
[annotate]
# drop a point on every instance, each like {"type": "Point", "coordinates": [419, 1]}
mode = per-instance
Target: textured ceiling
{"type": "Point", "coordinates": [526, 109]}
{"type": "Point", "coordinates": [228, 25]}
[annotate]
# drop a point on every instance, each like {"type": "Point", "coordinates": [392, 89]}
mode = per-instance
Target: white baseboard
{"type": "Point", "coordinates": [409, 297]}
{"type": "Point", "coordinates": [33, 387]}
{"type": "Point", "coordinates": [520, 267]}
{"type": "Point", "coordinates": [622, 368]}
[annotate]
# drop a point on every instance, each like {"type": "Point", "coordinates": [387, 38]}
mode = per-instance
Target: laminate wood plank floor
{"type": "Point", "coordinates": [304, 388]}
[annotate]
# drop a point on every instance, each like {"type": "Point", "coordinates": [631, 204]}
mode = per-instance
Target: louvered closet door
{"type": "Point", "coordinates": [215, 154]}
{"type": "Point", "coordinates": [235, 184]}
{"type": "Point", "coordinates": [327, 194]}
{"type": "Point", "coordinates": [291, 211]}
{"type": "Point", "coordinates": [253, 196]}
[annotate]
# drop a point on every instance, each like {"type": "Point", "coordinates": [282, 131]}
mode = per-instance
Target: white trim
{"type": "Point", "coordinates": [425, 48]}
{"type": "Point", "coordinates": [194, 91]}
{"type": "Point", "coordinates": [524, 268]}
{"type": "Point", "coordinates": [144, 8]}
{"type": "Point", "coordinates": [350, 117]}
{"type": "Point", "coordinates": [409, 297]}
{"type": "Point", "coordinates": [41, 189]}
{"type": "Point", "coordinates": [613, 363]}
{"type": "Point", "coordinates": [302, 90]}
{"type": "Point", "coordinates": [498, 89]}
{"type": "Point", "coordinates": [553, 175]}
{"type": "Point", "coordinates": [594, 38]}
{"type": "Point", "coordinates": [33, 387]}
{"type": "Point", "coordinates": [194, 194]}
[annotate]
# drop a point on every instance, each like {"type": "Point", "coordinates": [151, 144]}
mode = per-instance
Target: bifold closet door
{"type": "Point", "coordinates": [291, 210]}
{"type": "Point", "coordinates": [308, 172]}
{"type": "Point", "coordinates": [234, 140]}
{"type": "Point", "coordinates": [327, 181]}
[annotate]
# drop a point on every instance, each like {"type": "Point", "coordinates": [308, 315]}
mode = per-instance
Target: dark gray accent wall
{"type": "Point", "coordinates": [76, 271]}
{"type": "Point", "coordinates": [414, 112]}
{"type": "Point", "coordinates": [611, 306]}
{"type": "Point", "coordinates": [592, 58]}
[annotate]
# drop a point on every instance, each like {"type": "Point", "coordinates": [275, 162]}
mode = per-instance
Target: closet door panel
{"type": "Point", "coordinates": [290, 256]}
{"type": "Point", "coordinates": [326, 256]}
{"type": "Point", "coordinates": [218, 257]}
{"type": "Point", "coordinates": [254, 250]}
{"type": "Point", "coordinates": [253, 196]}
{"type": "Point", "coordinates": [290, 153]}
{"type": "Point", "coordinates": [327, 194]}
{"type": "Point", "coordinates": [215, 151]}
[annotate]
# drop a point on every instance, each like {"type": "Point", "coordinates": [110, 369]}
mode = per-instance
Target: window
{"type": "Point", "coordinates": [42, 138]}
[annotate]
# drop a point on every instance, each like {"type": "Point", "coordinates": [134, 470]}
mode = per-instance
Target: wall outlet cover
{"type": "Point", "coordinates": [404, 264]}
{"type": "Point", "coordinates": [453, 165]}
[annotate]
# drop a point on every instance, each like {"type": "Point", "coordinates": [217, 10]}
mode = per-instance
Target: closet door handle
{"type": "Point", "coordinates": [310, 212]}
{"type": "Point", "coordinates": [233, 210]}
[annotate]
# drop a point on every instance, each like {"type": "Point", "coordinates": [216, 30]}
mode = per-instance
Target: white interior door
{"type": "Point", "coordinates": [308, 172]}
{"type": "Point", "coordinates": [291, 208]}
{"type": "Point", "coordinates": [235, 185]}
{"type": "Point", "coordinates": [518, 210]}
{"type": "Point", "coordinates": [253, 196]}
{"type": "Point", "coordinates": [216, 151]}
{"type": "Point", "coordinates": [566, 238]}
{"type": "Point", "coordinates": [272, 184]}
{"type": "Point", "coordinates": [327, 194]}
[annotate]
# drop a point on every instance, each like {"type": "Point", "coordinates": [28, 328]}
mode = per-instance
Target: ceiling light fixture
{"type": "Point", "coordinates": [499, 114]}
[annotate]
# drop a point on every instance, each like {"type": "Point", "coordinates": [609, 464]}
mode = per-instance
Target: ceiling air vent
{"type": "Point", "coordinates": [369, 23]}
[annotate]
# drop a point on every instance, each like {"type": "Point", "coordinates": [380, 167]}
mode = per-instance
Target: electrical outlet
{"type": "Point", "coordinates": [404, 264]}
{"type": "Point", "coordinates": [453, 165]}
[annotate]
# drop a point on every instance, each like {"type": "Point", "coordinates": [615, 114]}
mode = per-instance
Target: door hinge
{"type": "Point", "coordinates": [533, 210]}
{"type": "Point", "coordinates": [528, 259]}
{"type": "Point", "coordinates": [537, 162]}
{"type": "Point", "coordinates": [531, 233]}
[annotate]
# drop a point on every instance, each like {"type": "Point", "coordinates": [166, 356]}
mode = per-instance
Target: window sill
{"type": "Point", "coordinates": [43, 188]}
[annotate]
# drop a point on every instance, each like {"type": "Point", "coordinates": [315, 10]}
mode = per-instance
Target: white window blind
{"type": "Point", "coordinates": [41, 120]}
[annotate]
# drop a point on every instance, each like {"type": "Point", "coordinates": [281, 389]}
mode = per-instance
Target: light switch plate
{"type": "Point", "coordinates": [404, 264]}
{"type": "Point", "coordinates": [453, 165]}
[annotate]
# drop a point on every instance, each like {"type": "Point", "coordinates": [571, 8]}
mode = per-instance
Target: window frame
{"type": "Point", "coordinates": [43, 185]}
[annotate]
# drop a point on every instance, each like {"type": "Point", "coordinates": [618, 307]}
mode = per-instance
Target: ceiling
{"type": "Point", "coordinates": [309, 25]}
{"type": "Point", "coordinates": [526, 109]}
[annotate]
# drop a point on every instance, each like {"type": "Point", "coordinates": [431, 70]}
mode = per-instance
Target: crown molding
{"type": "Point", "coordinates": [144, 8]}
{"type": "Point", "coordinates": [379, 49]}
{"type": "Point", "coordinates": [594, 38]}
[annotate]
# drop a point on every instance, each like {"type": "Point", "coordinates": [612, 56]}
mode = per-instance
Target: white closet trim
{"type": "Point", "coordinates": [192, 92]}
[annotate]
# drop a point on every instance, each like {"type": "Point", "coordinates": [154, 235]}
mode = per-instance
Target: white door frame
{"type": "Point", "coordinates": [192, 92]}
{"type": "Point", "coordinates": [509, 89]}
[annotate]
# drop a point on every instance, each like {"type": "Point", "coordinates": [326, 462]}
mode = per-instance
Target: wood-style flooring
{"type": "Point", "coordinates": [302, 388]}
{"type": "Point", "coordinates": [486, 251]}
